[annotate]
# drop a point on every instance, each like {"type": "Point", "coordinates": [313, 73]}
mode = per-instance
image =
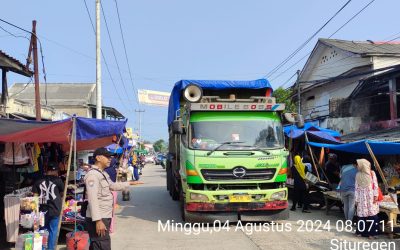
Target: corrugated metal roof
{"type": "Point", "coordinates": [364, 47]}
{"type": "Point", "coordinates": [392, 135]}
{"type": "Point", "coordinates": [13, 65]}
{"type": "Point", "coordinates": [57, 93]}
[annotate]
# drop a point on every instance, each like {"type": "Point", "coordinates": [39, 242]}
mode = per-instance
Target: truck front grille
{"type": "Point", "coordinates": [228, 174]}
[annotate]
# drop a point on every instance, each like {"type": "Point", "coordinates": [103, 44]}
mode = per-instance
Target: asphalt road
{"type": "Point", "coordinates": [142, 224]}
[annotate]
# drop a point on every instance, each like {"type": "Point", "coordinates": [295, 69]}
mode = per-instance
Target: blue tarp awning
{"type": "Point", "coordinates": [308, 126]}
{"type": "Point", "coordinates": [174, 100]}
{"type": "Point", "coordinates": [115, 148]}
{"type": "Point", "coordinates": [90, 133]}
{"type": "Point", "coordinates": [89, 128]}
{"type": "Point", "coordinates": [359, 147]}
{"type": "Point", "coordinates": [294, 132]}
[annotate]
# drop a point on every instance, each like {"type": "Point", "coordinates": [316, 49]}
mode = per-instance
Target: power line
{"type": "Point", "coordinates": [283, 72]}
{"type": "Point", "coordinates": [26, 85]}
{"type": "Point", "coordinates": [354, 16]}
{"type": "Point", "coordinates": [328, 66]}
{"type": "Point", "coordinates": [126, 54]}
{"type": "Point", "coordinates": [341, 27]}
{"type": "Point", "coordinates": [44, 72]}
{"type": "Point", "coordinates": [113, 50]}
{"type": "Point", "coordinates": [41, 50]}
{"type": "Point", "coordinates": [14, 35]}
{"type": "Point", "coordinates": [104, 59]}
{"type": "Point", "coordinates": [287, 81]}
{"type": "Point", "coordinates": [350, 76]}
{"type": "Point", "coordinates": [304, 44]}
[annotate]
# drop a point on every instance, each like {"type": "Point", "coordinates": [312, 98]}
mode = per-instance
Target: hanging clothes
{"type": "Point", "coordinates": [36, 155]}
{"type": "Point", "coordinates": [11, 216]}
{"type": "Point", "coordinates": [20, 156]}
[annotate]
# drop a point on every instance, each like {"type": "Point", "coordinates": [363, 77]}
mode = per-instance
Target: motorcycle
{"type": "Point", "coordinates": [316, 194]}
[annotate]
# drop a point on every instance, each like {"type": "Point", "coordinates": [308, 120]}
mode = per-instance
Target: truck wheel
{"type": "Point", "coordinates": [174, 189]}
{"type": "Point", "coordinates": [183, 212]}
{"type": "Point", "coordinates": [168, 177]}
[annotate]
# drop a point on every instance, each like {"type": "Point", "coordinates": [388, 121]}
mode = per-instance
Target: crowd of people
{"type": "Point", "coordinates": [356, 182]}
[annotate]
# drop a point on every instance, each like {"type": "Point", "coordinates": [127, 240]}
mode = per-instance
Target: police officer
{"type": "Point", "coordinates": [100, 199]}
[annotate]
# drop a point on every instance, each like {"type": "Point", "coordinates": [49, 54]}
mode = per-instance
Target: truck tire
{"type": "Point", "coordinates": [182, 205]}
{"type": "Point", "coordinates": [168, 176]}
{"type": "Point", "coordinates": [175, 187]}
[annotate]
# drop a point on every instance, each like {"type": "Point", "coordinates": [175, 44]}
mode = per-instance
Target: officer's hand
{"type": "Point", "coordinates": [135, 183]}
{"type": "Point", "coordinates": [100, 228]}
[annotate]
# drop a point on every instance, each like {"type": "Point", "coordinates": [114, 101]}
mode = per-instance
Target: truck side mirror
{"type": "Point", "coordinates": [177, 127]}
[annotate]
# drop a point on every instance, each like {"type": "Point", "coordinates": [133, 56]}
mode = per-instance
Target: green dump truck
{"type": "Point", "coordinates": [227, 158]}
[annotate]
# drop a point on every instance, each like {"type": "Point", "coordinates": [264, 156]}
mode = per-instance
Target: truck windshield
{"type": "Point", "coordinates": [262, 134]}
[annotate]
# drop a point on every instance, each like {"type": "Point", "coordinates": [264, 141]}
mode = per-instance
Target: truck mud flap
{"type": "Point", "coordinates": [267, 216]}
{"type": "Point", "coordinates": [210, 217]}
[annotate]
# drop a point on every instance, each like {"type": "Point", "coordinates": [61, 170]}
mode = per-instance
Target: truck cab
{"type": "Point", "coordinates": [228, 159]}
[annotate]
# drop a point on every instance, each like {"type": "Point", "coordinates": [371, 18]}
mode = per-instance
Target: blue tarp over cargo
{"type": "Point", "coordinates": [174, 101]}
{"type": "Point", "coordinates": [359, 147]}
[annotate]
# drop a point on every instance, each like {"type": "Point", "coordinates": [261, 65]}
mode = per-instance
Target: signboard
{"type": "Point", "coordinates": [155, 98]}
{"type": "Point", "coordinates": [237, 106]}
{"type": "Point", "coordinates": [129, 133]}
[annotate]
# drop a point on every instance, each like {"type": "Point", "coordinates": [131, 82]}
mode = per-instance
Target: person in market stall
{"type": "Point", "coordinates": [133, 166]}
{"type": "Point", "coordinates": [300, 185]}
{"type": "Point", "coordinates": [100, 200]}
{"type": "Point", "coordinates": [347, 189]}
{"type": "Point", "coordinates": [366, 196]}
{"type": "Point", "coordinates": [332, 170]}
{"type": "Point", "coordinates": [50, 189]}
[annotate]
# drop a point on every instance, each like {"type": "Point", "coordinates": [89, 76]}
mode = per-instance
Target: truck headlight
{"type": "Point", "coordinates": [278, 195]}
{"type": "Point", "coordinates": [200, 197]}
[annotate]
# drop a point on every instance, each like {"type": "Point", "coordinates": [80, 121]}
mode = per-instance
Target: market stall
{"type": "Point", "coordinates": [297, 142]}
{"type": "Point", "coordinates": [67, 136]}
{"type": "Point", "coordinates": [373, 149]}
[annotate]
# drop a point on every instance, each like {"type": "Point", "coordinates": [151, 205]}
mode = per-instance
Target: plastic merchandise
{"type": "Point", "coordinates": [78, 240]}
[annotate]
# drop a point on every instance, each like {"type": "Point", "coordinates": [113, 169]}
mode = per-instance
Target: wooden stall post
{"type": "Point", "coordinates": [312, 155]}
{"type": "Point", "coordinates": [72, 143]}
{"type": "Point", "coordinates": [378, 167]}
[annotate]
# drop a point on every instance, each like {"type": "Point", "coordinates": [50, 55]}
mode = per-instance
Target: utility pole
{"type": "Point", "coordinates": [4, 93]}
{"type": "Point", "coordinates": [140, 122]}
{"type": "Point", "coordinates": [298, 92]}
{"type": "Point", "coordinates": [98, 63]}
{"type": "Point", "coordinates": [36, 71]}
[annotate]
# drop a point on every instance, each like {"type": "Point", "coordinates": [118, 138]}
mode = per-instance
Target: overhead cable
{"type": "Point", "coordinates": [104, 59]}
{"type": "Point", "coordinates": [126, 54]}
{"type": "Point", "coordinates": [113, 50]}
{"type": "Point", "coordinates": [305, 43]}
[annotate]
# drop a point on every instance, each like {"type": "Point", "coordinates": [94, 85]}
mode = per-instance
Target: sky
{"type": "Point", "coordinates": [167, 41]}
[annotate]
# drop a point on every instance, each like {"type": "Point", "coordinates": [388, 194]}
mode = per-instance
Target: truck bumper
{"type": "Point", "coordinates": [235, 207]}
{"type": "Point", "coordinates": [233, 212]}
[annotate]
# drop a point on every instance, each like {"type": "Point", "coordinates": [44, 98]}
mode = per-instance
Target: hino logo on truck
{"type": "Point", "coordinates": [239, 172]}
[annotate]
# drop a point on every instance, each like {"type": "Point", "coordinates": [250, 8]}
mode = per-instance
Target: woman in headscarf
{"type": "Point", "coordinates": [300, 187]}
{"type": "Point", "coordinates": [366, 195]}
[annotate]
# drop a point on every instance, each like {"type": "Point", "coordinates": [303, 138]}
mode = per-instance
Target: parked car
{"type": "Point", "coordinates": [149, 159]}
{"type": "Point", "coordinates": [159, 159]}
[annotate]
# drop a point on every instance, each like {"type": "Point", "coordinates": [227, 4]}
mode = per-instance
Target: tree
{"type": "Point", "coordinates": [160, 146]}
{"type": "Point", "coordinates": [284, 96]}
